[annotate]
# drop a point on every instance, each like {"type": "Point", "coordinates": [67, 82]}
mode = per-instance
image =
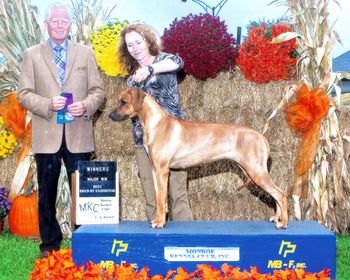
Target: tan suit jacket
{"type": "Point", "coordinates": [39, 82]}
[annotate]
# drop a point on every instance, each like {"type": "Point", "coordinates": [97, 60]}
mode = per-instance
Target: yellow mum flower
{"type": "Point", "coordinates": [7, 140]}
{"type": "Point", "coordinates": [104, 42]}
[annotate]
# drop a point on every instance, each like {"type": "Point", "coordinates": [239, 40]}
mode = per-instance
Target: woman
{"type": "Point", "coordinates": [155, 72]}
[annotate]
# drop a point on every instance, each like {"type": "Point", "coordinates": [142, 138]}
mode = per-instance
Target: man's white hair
{"type": "Point", "coordinates": [57, 5]}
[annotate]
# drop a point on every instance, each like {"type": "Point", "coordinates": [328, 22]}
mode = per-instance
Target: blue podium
{"type": "Point", "coordinates": [304, 244]}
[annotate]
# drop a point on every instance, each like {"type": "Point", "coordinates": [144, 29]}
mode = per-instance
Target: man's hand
{"type": "Point", "coordinates": [77, 109]}
{"type": "Point", "coordinates": [57, 103]}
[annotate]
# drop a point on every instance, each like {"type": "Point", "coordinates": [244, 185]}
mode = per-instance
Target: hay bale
{"type": "Point", "coordinates": [8, 168]}
{"type": "Point", "coordinates": [114, 142]}
{"type": "Point", "coordinates": [227, 99]}
{"type": "Point", "coordinates": [232, 99]}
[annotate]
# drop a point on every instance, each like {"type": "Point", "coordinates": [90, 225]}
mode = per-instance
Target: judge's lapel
{"type": "Point", "coordinates": [71, 55]}
{"type": "Point", "coordinates": [50, 60]}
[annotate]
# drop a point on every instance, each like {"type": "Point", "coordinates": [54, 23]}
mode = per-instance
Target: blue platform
{"type": "Point", "coordinates": [239, 243]}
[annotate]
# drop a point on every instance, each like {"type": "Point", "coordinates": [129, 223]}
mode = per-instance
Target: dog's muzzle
{"type": "Point", "coordinates": [114, 116]}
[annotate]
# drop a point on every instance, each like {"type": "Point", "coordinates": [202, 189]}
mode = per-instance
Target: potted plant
{"type": "Point", "coordinates": [5, 205]}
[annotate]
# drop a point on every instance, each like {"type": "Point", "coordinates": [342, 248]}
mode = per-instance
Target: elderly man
{"type": "Point", "coordinates": [49, 71]}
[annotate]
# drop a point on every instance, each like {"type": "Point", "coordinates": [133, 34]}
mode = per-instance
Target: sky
{"type": "Point", "coordinates": [236, 13]}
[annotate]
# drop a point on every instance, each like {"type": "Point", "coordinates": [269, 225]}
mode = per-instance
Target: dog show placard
{"type": "Point", "coordinates": [96, 193]}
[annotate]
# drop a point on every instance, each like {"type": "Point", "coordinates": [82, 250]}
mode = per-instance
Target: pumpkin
{"type": "Point", "coordinates": [23, 216]}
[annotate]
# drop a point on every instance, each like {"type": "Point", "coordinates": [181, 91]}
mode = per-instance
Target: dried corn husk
{"type": "Point", "coordinates": [88, 15]}
{"type": "Point", "coordinates": [17, 33]}
{"type": "Point", "coordinates": [328, 177]}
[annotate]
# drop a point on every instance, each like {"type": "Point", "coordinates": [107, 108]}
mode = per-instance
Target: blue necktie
{"type": "Point", "coordinates": [61, 64]}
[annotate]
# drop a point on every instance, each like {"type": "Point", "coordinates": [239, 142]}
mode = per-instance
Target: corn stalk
{"type": "Point", "coordinates": [16, 34]}
{"type": "Point", "coordinates": [87, 15]}
{"type": "Point", "coordinates": [325, 189]}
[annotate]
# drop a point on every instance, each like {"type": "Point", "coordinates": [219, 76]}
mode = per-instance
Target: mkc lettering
{"type": "Point", "coordinates": [88, 207]}
{"type": "Point", "coordinates": [119, 247]}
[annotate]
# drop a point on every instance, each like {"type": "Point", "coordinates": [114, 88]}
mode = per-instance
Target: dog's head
{"type": "Point", "coordinates": [128, 105]}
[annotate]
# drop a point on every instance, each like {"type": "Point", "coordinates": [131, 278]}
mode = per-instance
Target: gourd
{"type": "Point", "coordinates": [23, 216]}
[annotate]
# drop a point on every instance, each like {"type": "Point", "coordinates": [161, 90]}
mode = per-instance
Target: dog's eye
{"type": "Point", "coordinates": [122, 103]}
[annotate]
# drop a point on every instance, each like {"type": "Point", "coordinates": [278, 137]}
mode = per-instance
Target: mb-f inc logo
{"type": "Point", "coordinates": [119, 247]}
{"type": "Point", "coordinates": [286, 248]}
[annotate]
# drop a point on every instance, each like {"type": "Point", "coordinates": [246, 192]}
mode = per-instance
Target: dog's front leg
{"type": "Point", "coordinates": [160, 178]}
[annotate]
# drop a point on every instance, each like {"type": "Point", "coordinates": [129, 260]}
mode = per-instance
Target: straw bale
{"type": "Point", "coordinates": [212, 188]}
{"type": "Point", "coordinates": [112, 138]}
{"type": "Point", "coordinates": [8, 168]}
{"type": "Point", "coordinates": [227, 99]}
{"type": "Point", "coordinates": [230, 98]}
{"type": "Point", "coordinates": [114, 142]}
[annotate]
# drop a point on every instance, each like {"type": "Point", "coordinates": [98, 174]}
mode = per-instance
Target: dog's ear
{"type": "Point", "coordinates": [137, 96]}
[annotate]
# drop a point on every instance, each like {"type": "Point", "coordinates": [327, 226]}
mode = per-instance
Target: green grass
{"type": "Point", "coordinates": [17, 256]}
{"type": "Point", "coordinates": [343, 257]}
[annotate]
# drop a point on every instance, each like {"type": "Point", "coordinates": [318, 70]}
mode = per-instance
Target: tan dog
{"type": "Point", "coordinates": [176, 143]}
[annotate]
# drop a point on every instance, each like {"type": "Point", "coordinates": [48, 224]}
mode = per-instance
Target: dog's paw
{"type": "Point", "coordinates": [274, 219]}
{"type": "Point", "coordinates": [153, 225]}
{"type": "Point", "coordinates": [280, 225]}
{"type": "Point", "coordinates": [157, 224]}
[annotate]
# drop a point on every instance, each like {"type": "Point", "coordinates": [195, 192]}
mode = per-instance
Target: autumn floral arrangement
{"type": "Point", "coordinates": [5, 204]}
{"type": "Point", "coordinates": [59, 265]}
{"type": "Point", "coordinates": [204, 44]}
{"type": "Point", "coordinates": [12, 123]}
{"type": "Point", "coordinates": [261, 61]}
{"type": "Point", "coordinates": [104, 42]}
{"type": "Point", "coordinates": [304, 117]}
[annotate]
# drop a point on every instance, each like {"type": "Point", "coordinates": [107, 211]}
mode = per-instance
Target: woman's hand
{"type": "Point", "coordinates": [141, 74]}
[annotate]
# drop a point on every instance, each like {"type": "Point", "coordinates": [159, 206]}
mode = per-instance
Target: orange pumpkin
{"type": "Point", "coordinates": [23, 216]}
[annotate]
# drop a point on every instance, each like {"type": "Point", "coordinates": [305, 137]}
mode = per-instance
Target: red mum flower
{"type": "Point", "coordinates": [204, 44]}
{"type": "Point", "coordinates": [262, 62]}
